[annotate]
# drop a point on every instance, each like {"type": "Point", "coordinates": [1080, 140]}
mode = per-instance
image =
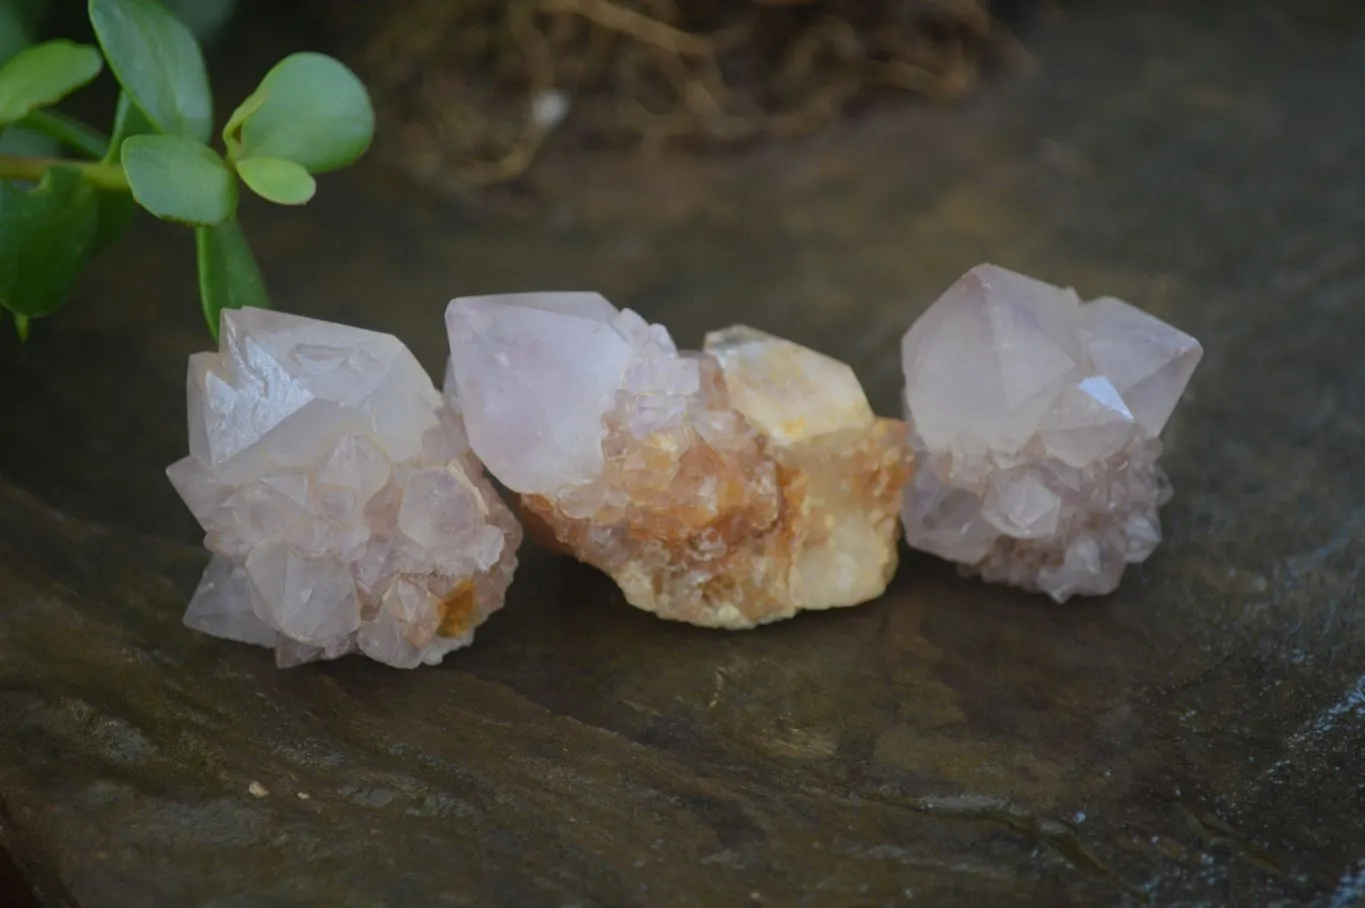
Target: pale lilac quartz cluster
{"type": "Point", "coordinates": [1035, 421]}
{"type": "Point", "coordinates": [342, 504]}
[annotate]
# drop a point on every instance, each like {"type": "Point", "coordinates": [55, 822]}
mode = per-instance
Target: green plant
{"type": "Point", "coordinates": [310, 115]}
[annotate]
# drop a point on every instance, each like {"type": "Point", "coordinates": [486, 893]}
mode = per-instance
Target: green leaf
{"type": "Point", "coordinates": [116, 213]}
{"type": "Point", "coordinates": [25, 143]}
{"type": "Point", "coordinates": [229, 277]}
{"type": "Point", "coordinates": [68, 131]}
{"type": "Point", "coordinates": [158, 62]}
{"type": "Point", "coordinates": [44, 74]}
{"type": "Point", "coordinates": [31, 11]}
{"type": "Point", "coordinates": [277, 180]}
{"type": "Point", "coordinates": [46, 234]}
{"type": "Point", "coordinates": [232, 139]}
{"type": "Point", "coordinates": [128, 121]}
{"type": "Point", "coordinates": [205, 18]}
{"type": "Point", "coordinates": [179, 179]}
{"type": "Point", "coordinates": [14, 31]}
{"type": "Point", "coordinates": [21, 326]}
{"type": "Point", "coordinates": [314, 112]}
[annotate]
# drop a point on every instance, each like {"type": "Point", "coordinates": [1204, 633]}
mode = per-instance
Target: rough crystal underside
{"type": "Point", "coordinates": [1035, 419]}
{"type": "Point", "coordinates": [340, 499]}
{"type": "Point", "coordinates": [726, 488]}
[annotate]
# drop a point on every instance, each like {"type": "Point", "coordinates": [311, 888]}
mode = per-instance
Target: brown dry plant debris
{"type": "Point", "coordinates": [471, 88]}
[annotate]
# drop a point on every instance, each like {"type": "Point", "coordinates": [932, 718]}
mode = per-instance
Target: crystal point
{"type": "Point", "coordinates": [221, 606]}
{"type": "Point", "coordinates": [1035, 418]}
{"type": "Point", "coordinates": [536, 373]}
{"type": "Point", "coordinates": [338, 496]}
{"type": "Point", "coordinates": [1148, 361]}
{"type": "Point", "coordinates": [727, 488]}
{"type": "Point", "coordinates": [987, 361]}
{"type": "Point", "coordinates": [787, 391]}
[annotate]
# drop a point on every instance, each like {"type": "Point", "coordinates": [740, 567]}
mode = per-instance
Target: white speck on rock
{"type": "Point", "coordinates": [549, 108]}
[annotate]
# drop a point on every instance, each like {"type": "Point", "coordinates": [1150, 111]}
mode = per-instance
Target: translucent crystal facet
{"type": "Point", "coordinates": [1035, 419]}
{"type": "Point", "coordinates": [787, 391]}
{"type": "Point", "coordinates": [338, 495]}
{"type": "Point", "coordinates": [725, 488]}
{"type": "Point", "coordinates": [536, 373]}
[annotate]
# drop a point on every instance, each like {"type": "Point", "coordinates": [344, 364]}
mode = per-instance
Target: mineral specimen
{"type": "Point", "coordinates": [341, 501]}
{"type": "Point", "coordinates": [726, 488]}
{"type": "Point", "coordinates": [1035, 419]}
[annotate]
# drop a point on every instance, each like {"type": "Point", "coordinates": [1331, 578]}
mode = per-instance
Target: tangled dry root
{"type": "Point", "coordinates": [476, 85]}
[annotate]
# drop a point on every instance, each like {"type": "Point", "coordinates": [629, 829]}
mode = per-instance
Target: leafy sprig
{"type": "Point", "coordinates": [310, 115]}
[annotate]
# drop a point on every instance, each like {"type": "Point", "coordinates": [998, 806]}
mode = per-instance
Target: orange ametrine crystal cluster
{"type": "Point", "coordinates": [725, 488]}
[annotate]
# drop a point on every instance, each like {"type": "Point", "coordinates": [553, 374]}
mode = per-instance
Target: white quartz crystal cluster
{"type": "Point", "coordinates": [1035, 419]}
{"type": "Point", "coordinates": [342, 504]}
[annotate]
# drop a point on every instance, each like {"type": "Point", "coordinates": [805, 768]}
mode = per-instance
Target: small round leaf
{"type": "Point", "coordinates": [277, 180]}
{"type": "Point", "coordinates": [315, 113]}
{"type": "Point", "coordinates": [158, 63]}
{"type": "Point", "coordinates": [179, 179]}
{"type": "Point", "coordinates": [44, 74]}
{"type": "Point", "coordinates": [46, 235]}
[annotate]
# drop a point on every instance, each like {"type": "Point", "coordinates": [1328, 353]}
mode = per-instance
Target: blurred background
{"type": "Point", "coordinates": [470, 90]}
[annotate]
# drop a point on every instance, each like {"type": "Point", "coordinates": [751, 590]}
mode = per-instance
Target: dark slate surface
{"type": "Point", "coordinates": [1198, 738]}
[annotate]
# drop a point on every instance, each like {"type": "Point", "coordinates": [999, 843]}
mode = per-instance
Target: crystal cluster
{"type": "Point", "coordinates": [726, 488]}
{"type": "Point", "coordinates": [1035, 419]}
{"type": "Point", "coordinates": [342, 504]}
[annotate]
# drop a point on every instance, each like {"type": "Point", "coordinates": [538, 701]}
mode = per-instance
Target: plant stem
{"type": "Point", "coordinates": [103, 176]}
{"type": "Point", "coordinates": [68, 131]}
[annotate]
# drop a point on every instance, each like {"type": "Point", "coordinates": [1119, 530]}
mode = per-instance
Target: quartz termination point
{"type": "Point", "coordinates": [1035, 419]}
{"type": "Point", "coordinates": [341, 501]}
{"type": "Point", "coordinates": [726, 488]}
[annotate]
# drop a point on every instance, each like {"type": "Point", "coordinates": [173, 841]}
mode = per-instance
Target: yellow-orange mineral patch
{"type": "Point", "coordinates": [456, 611]}
{"type": "Point", "coordinates": [742, 515]}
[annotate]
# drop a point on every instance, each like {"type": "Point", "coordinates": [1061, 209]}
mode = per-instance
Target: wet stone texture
{"type": "Point", "coordinates": [1196, 738]}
